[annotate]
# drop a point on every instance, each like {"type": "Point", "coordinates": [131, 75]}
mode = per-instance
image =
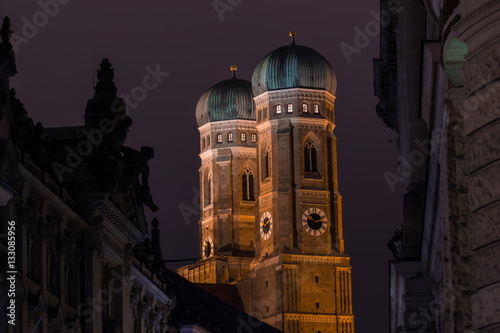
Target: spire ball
{"type": "Point", "coordinates": [233, 70]}
{"type": "Point", "coordinates": [292, 34]}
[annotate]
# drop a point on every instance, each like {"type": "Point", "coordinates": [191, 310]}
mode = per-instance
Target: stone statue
{"type": "Point", "coordinates": [135, 163]}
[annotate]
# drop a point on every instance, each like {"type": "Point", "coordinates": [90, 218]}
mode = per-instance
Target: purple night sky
{"type": "Point", "coordinates": [57, 64]}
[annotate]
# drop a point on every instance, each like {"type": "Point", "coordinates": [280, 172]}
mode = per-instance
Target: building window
{"type": "Point", "coordinates": [230, 137]}
{"type": "Point", "coordinates": [243, 137]}
{"type": "Point", "coordinates": [259, 119]}
{"type": "Point", "coordinates": [266, 164]}
{"type": "Point", "coordinates": [290, 108]}
{"type": "Point", "coordinates": [254, 137]}
{"type": "Point", "coordinates": [310, 158]}
{"type": "Point", "coordinates": [316, 108]}
{"type": "Point", "coordinates": [317, 279]}
{"type": "Point", "coordinates": [219, 138]}
{"type": "Point", "coordinates": [317, 305]}
{"type": "Point", "coordinates": [208, 141]}
{"type": "Point", "coordinates": [304, 107]}
{"type": "Point", "coordinates": [278, 109]}
{"type": "Point", "coordinates": [208, 190]}
{"type": "Point", "coordinates": [203, 143]}
{"type": "Point", "coordinates": [247, 184]}
{"type": "Point", "coordinates": [267, 284]}
{"type": "Point", "coordinates": [265, 113]}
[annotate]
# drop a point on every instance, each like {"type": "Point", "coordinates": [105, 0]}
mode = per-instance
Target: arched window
{"type": "Point", "coordinates": [230, 137]}
{"type": "Point", "coordinates": [219, 138]}
{"type": "Point", "coordinates": [316, 108]}
{"type": "Point", "coordinates": [266, 164]}
{"type": "Point", "coordinates": [317, 305]}
{"type": "Point", "coordinates": [208, 191]}
{"type": "Point", "coordinates": [247, 184]}
{"type": "Point", "coordinates": [254, 137]}
{"type": "Point", "coordinates": [208, 141]}
{"type": "Point", "coordinates": [310, 158]}
{"type": "Point", "coordinates": [278, 108]}
{"type": "Point", "coordinates": [304, 107]}
{"type": "Point", "coordinates": [243, 137]}
{"type": "Point", "coordinates": [290, 108]}
{"type": "Point", "coordinates": [203, 143]}
{"type": "Point", "coordinates": [317, 279]}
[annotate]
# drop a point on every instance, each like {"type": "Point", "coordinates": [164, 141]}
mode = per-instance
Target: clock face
{"type": "Point", "coordinates": [266, 225]}
{"type": "Point", "coordinates": [208, 247]}
{"type": "Point", "coordinates": [314, 221]}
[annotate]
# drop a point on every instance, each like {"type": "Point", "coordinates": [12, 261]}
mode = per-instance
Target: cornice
{"type": "Point", "coordinates": [318, 318]}
{"type": "Point", "coordinates": [120, 222]}
{"type": "Point", "coordinates": [312, 259]}
{"type": "Point", "coordinates": [303, 93]}
{"type": "Point", "coordinates": [234, 124]}
{"type": "Point", "coordinates": [266, 197]}
{"type": "Point", "coordinates": [311, 123]}
{"type": "Point", "coordinates": [313, 193]}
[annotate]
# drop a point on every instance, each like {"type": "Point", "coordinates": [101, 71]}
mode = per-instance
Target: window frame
{"type": "Point", "coordinates": [208, 191]}
{"type": "Point", "coordinates": [247, 184]}
{"type": "Point", "coordinates": [310, 157]}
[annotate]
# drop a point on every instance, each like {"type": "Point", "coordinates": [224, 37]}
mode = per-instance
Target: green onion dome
{"type": "Point", "coordinates": [293, 66]}
{"type": "Point", "coordinates": [226, 100]}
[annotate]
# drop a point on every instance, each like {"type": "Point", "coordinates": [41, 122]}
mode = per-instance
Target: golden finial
{"type": "Point", "coordinates": [233, 69]}
{"type": "Point", "coordinates": [292, 34]}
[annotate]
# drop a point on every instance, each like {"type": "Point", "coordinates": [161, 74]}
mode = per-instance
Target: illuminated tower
{"type": "Point", "coordinates": [301, 278]}
{"type": "Point", "coordinates": [228, 139]}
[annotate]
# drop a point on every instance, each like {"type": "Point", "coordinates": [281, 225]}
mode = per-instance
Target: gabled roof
{"type": "Point", "coordinates": [196, 306]}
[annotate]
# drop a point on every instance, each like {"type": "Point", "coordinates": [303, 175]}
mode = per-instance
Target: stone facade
{"type": "Point", "coordinates": [445, 278]}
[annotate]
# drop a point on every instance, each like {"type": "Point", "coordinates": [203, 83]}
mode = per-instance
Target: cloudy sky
{"type": "Point", "coordinates": [59, 47]}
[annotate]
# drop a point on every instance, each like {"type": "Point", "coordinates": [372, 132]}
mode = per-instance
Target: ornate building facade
{"type": "Point", "coordinates": [438, 85]}
{"type": "Point", "coordinates": [77, 254]}
{"type": "Point", "coordinates": [271, 220]}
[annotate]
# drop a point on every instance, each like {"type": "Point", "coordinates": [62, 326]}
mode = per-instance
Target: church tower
{"type": "Point", "coordinates": [299, 277]}
{"type": "Point", "coordinates": [228, 174]}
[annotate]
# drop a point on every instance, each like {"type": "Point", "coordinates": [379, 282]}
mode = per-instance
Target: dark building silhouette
{"type": "Point", "coordinates": [438, 84]}
{"type": "Point", "coordinates": [86, 259]}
